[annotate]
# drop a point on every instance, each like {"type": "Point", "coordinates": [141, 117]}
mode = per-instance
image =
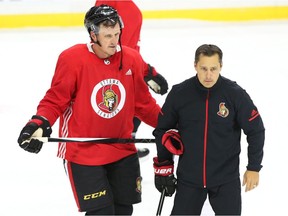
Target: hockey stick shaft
{"type": "Point", "coordinates": [161, 202]}
{"type": "Point", "coordinates": [95, 140]}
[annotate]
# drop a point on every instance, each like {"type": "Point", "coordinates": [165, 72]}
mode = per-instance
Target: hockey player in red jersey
{"type": "Point", "coordinates": [132, 18]}
{"type": "Point", "coordinates": [96, 91]}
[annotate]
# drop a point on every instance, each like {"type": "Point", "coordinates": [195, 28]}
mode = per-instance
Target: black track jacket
{"type": "Point", "coordinates": [210, 122]}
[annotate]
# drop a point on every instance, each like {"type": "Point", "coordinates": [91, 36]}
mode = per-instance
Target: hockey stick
{"type": "Point", "coordinates": [161, 202]}
{"type": "Point", "coordinates": [94, 140]}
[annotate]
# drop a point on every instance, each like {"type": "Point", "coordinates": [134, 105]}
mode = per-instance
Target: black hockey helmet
{"type": "Point", "coordinates": [99, 14]}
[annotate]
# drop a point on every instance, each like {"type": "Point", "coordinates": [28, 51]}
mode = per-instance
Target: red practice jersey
{"type": "Point", "coordinates": [94, 99]}
{"type": "Point", "coordinates": [132, 19]}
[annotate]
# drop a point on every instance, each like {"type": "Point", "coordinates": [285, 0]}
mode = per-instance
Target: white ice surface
{"type": "Point", "coordinates": [255, 55]}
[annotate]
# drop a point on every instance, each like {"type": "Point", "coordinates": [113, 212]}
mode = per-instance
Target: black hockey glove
{"type": "Point", "coordinates": [156, 81]}
{"type": "Point", "coordinates": [36, 127]}
{"type": "Point", "coordinates": [164, 177]}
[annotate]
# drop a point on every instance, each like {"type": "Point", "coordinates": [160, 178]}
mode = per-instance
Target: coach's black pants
{"type": "Point", "coordinates": [224, 199]}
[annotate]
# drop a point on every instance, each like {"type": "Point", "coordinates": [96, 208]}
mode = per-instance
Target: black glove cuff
{"type": "Point", "coordinates": [47, 130]}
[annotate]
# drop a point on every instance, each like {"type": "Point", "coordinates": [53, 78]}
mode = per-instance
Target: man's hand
{"type": "Point", "coordinates": [251, 180]}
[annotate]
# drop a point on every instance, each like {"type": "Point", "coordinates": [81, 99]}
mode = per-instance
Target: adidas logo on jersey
{"type": "Point", "coordinates": [129, 72]}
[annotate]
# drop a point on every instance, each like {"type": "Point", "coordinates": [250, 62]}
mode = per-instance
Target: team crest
{"type": "Point", "coordinates": [108, 97]}
{"type": "Point", "coordinates": [223, 111]}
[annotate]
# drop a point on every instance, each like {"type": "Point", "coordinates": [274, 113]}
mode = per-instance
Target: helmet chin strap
{"type": "Point", "coordinates": [120, 66]}
{"type": "Point", "coordinates": [96, 42]}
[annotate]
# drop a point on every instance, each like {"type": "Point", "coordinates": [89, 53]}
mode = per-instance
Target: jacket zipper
{"type": "Point", "coordinates": [205, 140]}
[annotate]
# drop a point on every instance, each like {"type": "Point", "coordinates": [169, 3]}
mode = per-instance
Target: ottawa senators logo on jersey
{"type": "Point", "coordinates": [110, 99]}
{"type": "Point", "coordinates": [107, 98]}
{"type": "Point", "coordinates": [223, 111]}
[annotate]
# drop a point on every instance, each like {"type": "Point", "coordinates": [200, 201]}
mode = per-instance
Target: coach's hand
{"type": "Point", "coordinates": [38, 126]}
{"type": "Point", "coordinates": [250, 180]}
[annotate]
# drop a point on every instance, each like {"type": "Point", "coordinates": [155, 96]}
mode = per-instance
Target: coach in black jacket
{"type": "Point", "coordinates": [209, 111]}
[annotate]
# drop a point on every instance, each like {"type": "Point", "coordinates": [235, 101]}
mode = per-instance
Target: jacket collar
{"type": "Point", "coordinates": [213, 88]}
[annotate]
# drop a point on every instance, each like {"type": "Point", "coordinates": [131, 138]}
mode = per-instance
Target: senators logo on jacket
{"type": "Point", "coordinates": [223, 111]}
